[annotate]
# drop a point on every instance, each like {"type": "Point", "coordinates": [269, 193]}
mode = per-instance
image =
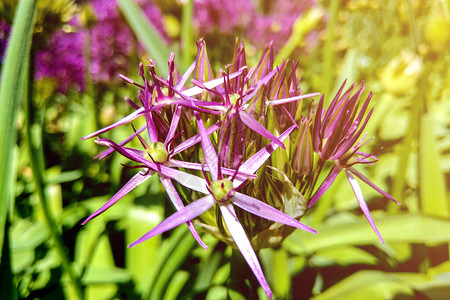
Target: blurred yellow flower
{"type": "Point", "coordinates": [401, 74]}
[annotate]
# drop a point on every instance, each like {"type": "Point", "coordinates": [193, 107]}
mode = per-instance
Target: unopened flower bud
{"type": "Point", "coordinates": [220, 189]}
{"type": "Point", "coordinates": [157, 151]}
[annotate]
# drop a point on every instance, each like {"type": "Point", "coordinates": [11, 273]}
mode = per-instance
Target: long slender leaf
{"type": "Point", "coordinates": [401, 228]}
{"type": "Point", "coordinates": [368, 285]}
{"type": "Point", "coordinates": [10, 92]}
{"type": "Point", "coordinates": [146, 34]}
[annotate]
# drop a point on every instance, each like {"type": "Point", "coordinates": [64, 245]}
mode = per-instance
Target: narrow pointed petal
{"type": "Point", "coordinates": [107, 152]}
{"type": "Point", "coordinates": [362, 203]}
{"type": "Point", "coordinates": [210, 84]}
{"type": "Point", "coordinates": [179, 86]}
{"type": "Point", "coordinates": [244, 245]}
{"type": "Point", "coordinates": [123, 121]}
{"type": "Point", "coordinates": [196, 166]}
{"type": "Point", "coordinates": [173, 125]}
{"type": "Point", "coordinates": [151, 128]}
{"type": "Point", "coordinates": [266, 211]}
{"type": "Point", "coordinates": [190, 181]}
{"type": "Point", "coordinates": [128, 153]}
{"type": "Point", "coordinates": [178, 203]}
{"type": "Point", "coordinates": [265, 80]}
{"type": "Point", "coordinates": [252, 164]}
{"type": "Point", "coordinates": [208, 150]}
{"type": "Point", "coordinates": [130, 81]}
{"type": "Point", "coordinates": [325, 185]}
{"type": "Point", "coordinates": [366, 180]}
{"type": "Point", "coordinates": [187, 213]}
{"type": "Point", "coordinates": [317, 134]}
{"type": "Point", "coordinates": [128, 187]}
{"type": "Point", "coordinates": [292, 99]}
{"type": "Point", "coordinates": [258, 128]}
{"type": "Point", "coordinates": [195, 139]}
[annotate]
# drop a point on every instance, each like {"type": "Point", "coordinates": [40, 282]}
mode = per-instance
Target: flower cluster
{"type": "Point", "coordinates": [246, 148]}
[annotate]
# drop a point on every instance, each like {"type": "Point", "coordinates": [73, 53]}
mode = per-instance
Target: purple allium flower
{"type": "Point", "coordinates": [220, 113]}
{"type": "Point", "coordinates": [336, 136]}
{"type": "Point", "coordinates": [235, 130]}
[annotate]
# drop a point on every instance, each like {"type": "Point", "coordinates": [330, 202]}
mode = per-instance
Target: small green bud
{"type": "Point", "coordinates": [157, 151]}
{"type": "Point", "coordinates": [220, 189]}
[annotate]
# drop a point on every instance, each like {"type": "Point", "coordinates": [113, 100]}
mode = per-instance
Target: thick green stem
{"type": "Point", "coordinates": [36, 164]}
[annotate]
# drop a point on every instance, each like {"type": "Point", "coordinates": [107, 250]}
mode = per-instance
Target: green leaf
{"type": "Point", "coordinates": [367, 285]}
{"type": "Point", "coordinates": [343, 256]}
{"type": "Point", "coordinates": [401, 228]}
{"type": "Point", "coordinates": [27, 235]}
{"type": "Point", "coordinates": [146, 34]}
{"type": "Point", "coordinates": [172, 264]}
{"type": "Point", "coordinates": [209, 266]}
{"type": "Point", "coordinates": [176, 284]}
{"type": "Point", "coordinates": [105, 275]}
{"type": "Point", "coordinates": [434, 287]}
{"type": "Point", "coordinates": [10, 93]}
{"type": "Point", "coordinates": [140, 260]}
{"type": "Point", "coordinates": [432, 181]}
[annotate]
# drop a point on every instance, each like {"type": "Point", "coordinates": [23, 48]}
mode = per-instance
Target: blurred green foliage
{"type": "Point", "coordinates": [399, 48]}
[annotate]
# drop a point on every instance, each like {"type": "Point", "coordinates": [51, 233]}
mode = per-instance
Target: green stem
{"type": "Point", "coordinates": [36, 164]}
{"type": "Point", "coordinates": [328, 52]}
{"type": "Point", "coordinates": [413, 26]}
{"type": "Point", "coordinates": [186, 32]}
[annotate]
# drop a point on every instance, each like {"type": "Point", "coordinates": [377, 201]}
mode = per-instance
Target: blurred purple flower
{"type": "Point", "coordinates": [63, 60]}
{"type": "Point", "coordinates": [5, 29]}
{"type": "Point", "coordinates": [226, 16]}
{"type": "Point", "coordinates": [111, 40]}
{"type": "Point", "coordinates": [274, 23]}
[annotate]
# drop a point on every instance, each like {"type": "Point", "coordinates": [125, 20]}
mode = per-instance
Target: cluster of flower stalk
{"type": "Point", "coordinates": [240, 155]}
